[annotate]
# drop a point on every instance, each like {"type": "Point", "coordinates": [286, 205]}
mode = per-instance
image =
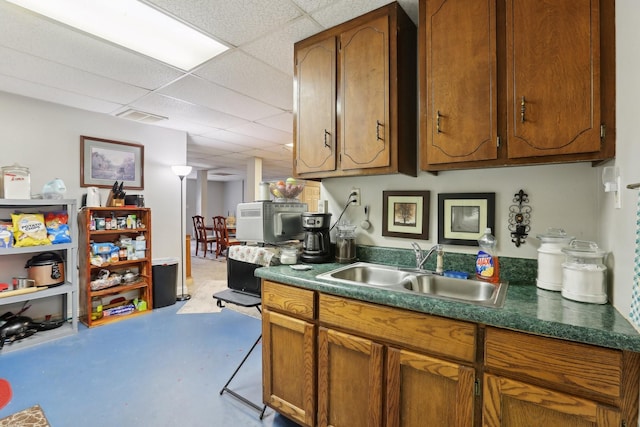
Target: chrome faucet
{"type": "Point", "coordinates": [421, 258]}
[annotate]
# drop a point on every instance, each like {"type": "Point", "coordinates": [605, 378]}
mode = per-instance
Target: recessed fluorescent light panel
{"type": "Point", "coordinates": [134, 25]}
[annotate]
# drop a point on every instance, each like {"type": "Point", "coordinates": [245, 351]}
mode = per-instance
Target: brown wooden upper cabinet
{"type": "Point", "coordinates": [355, 87]}
{"type": "Point", "coordinates": [506, 82]}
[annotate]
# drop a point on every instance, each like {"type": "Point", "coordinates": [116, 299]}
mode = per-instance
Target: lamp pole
{"type": "Point", "coordinates": [181, 172]}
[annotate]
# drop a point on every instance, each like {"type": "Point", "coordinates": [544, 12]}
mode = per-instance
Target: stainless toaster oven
{"type": "Point", "coordinates": [269, 222]}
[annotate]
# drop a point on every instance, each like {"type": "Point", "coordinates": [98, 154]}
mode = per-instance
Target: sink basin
{"type": "Point", "coordinates": [420, 282]}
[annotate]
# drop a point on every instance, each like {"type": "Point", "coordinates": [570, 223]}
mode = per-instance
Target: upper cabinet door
{"type": "Point", "coordinates": [460, 121]}
{"type": "Point", "coordinates": [553, 77]}
{"type": "Point", "coordinates": [315, 129]}
{"type": "Point", "coordinates": [364, 96]}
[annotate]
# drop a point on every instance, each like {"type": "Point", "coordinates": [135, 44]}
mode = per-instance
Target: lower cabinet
{"type": "Point", "coordinates": [421, 388]}
{"type": "Point", "coordinates": [350, 374]}
{"type": "Point", "coordinates": [533, 381]}
{"type": "Point", "coordinates": [289, 352]}
{"type": "Point", "coordinates": [335, 361]}
{"type": "Point", "coordinates": [513, 403]}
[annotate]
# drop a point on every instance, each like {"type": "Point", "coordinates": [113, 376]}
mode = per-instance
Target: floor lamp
{"type": "Point", "coordinates": [181, 172]}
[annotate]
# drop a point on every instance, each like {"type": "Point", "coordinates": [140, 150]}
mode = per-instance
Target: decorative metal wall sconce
{"type": "Point", "coordinates": [519, 218]}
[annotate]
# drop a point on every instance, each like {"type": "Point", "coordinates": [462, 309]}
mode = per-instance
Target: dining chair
{"type": "Point", "coordinates": [222, 236]}
{"type": "Point", "coordinates": [203, 238]}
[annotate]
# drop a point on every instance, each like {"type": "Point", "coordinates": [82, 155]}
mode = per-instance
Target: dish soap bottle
{"type": "Point", "coordinates": [487, 264]}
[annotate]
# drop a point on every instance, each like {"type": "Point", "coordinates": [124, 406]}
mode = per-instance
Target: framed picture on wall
{"type": "Point", "coordinates": [405, 214]}
{"type": "Point", "coordinates": [463, 217]}
{"type": "Point", "coordinates": [103, 162]}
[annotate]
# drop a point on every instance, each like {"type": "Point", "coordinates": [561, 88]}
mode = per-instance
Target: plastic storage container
{"type": "Point", "coordinates": [487, 264]}
{"type": "Point", "coordinates": [550, 258]}
{"type": "Point", "coordinates": [346, 244]}
{"type": "Point", "coordinates": [15, 182]}
{"type": "Point", "coordinates": [584, 275]}
{"type": "Point", "coordinates": [165, 280]}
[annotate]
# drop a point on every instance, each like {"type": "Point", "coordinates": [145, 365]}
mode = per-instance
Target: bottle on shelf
{"type": "Point", "coordinates": [487, 263]}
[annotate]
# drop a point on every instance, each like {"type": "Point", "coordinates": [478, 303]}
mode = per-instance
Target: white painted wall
{"type": "Point", "coordinates": [560, 196]}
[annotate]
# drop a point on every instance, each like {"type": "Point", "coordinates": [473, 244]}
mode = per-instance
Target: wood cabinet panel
{"type": "Point", "coordinates": [460, 103]}
{"type": "Point", "coordinates": [553, 77]}
{"type": "Point", "coordinates": [364, 92]}
{"type": "Point", "coordinates": [512, 403]}
{"type": "Point", "coordinates": [315, 106]}
{"type": "Point", "coordinates": [373, 95]}
{"type": "Point", "coordinates": [288, 299]}
{"type": "Point", "coordinates": [421, 387]}
{"type": "Point", "coordinates": [518, 82]}
{"type": "Point", "coordinates": [432, 334]}
{"type": "Point", "coordinates": [350, 374]}
{"type": "Point", "coordinates": [288, 371]}
{"type": "Point", "coordinates": [578, 368]}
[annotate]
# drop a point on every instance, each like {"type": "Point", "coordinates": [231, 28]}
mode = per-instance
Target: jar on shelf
{"type": "Point", "coordinates": [584, 275]}
{"type": "Point", "coordinates": [289, 255]}
{"type": "Point", "coordinates": [551, 257]}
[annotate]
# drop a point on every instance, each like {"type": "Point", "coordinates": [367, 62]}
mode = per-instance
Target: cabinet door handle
{"type": "Point", "coordinates": [438, 115]}
{"type": "Point", "coordinates": [378, 125]}
{"type": "Point", "coordinates": [326, 134]}
{"type": "Point", "coordinates": [523, 108]}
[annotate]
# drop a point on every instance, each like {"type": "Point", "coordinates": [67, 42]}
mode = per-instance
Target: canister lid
{"type": "Point", "coordinates": [584, 249]}
{"type": "Point", "coordinates": [554, 235]}
{"type": "Point", "coordinates": [46, 258]}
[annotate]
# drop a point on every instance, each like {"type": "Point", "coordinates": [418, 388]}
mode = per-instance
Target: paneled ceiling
{"type": "Point", "coordinates": [235, 107]}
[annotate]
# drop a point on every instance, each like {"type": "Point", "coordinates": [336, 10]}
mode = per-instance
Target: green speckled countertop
{"type": "Point", "coordinates": [526, 309]}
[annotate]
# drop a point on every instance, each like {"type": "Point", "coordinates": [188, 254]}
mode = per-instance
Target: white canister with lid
{"type": "Point", "coordinates": [584, 275]}
{"type": "Point", "coordinates": [15, 182]}
{"type": "Point", "coordinates": [550, 258]}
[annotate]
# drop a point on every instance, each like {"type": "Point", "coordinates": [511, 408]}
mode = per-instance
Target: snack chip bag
{"type": "Point", "coordinates": [57, 227]}
{"type": "Point", "coordinates": [6, 234]}
{"type": "Point", "coordinates": [29, 230]}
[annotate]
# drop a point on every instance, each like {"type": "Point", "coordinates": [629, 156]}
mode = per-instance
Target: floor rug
{"type": "Point", "coordinates": [30, 417]}
{"type": "Point", "coordinates": [202, 300]}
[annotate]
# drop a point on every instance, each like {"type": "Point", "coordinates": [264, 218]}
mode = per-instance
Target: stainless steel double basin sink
{"type": "Point", "coordinates": [420, 282]}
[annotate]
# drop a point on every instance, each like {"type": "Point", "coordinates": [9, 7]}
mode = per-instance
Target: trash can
{"type": "Point", "coordinates": [165, 280]}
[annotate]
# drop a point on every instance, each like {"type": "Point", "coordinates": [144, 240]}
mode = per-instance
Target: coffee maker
{"type": "Point", "coordinates": [316, 244]}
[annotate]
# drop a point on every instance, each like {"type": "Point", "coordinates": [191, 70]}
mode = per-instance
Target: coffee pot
{"type": "Point", "coordinates": [316, 245]}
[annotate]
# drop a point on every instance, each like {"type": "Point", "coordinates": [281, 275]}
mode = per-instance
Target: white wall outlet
{"type": "Point", "coordinates": [355, 197]}
{"type": "Point", "coordinates": [323, 206]}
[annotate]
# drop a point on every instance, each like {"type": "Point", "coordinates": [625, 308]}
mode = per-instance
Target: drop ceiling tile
{"type": "Point", "coordinates": [215, 146]}
{"type": "Point", "coordinates": [263, 132]}
{"type": "Point", "coordinates": [313, 5]}
{"type": "Point", "coordinates": [236, 138]}
{"type": "Point", "coordinates": [249, 76]}
{"type": "Point", "coordinates": [199, 91]}
{"type": "Point", "coordinates": [56, 96]}
{"type": "Point", "coordinates": [34, 69]}
{"type": "Point", "coordinates": [344, 10]}
{"type": "Point", "coordinates": [29, 33]}
{"type": "Point", "coordinates": [276, 49]}
{"type": "Point", "coordinates": [266, 154]}
{"type": "Point", "coordinates": [175, 108]}
{"type": "Point", "coordinates": [232, 21]}
{"type": "Point", "coordinates": [283, 121]}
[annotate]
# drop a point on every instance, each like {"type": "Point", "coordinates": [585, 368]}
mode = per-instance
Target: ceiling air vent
{"type": "Point", "coordinates": [140, 116]}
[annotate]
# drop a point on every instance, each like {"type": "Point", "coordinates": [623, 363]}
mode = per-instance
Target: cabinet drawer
{"type": "Point", "coordinates": [432, 334]}
{"type": "Point", "coordinates": [577, 368]}
{"type": "Point", "coordinates": [288, 299]}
